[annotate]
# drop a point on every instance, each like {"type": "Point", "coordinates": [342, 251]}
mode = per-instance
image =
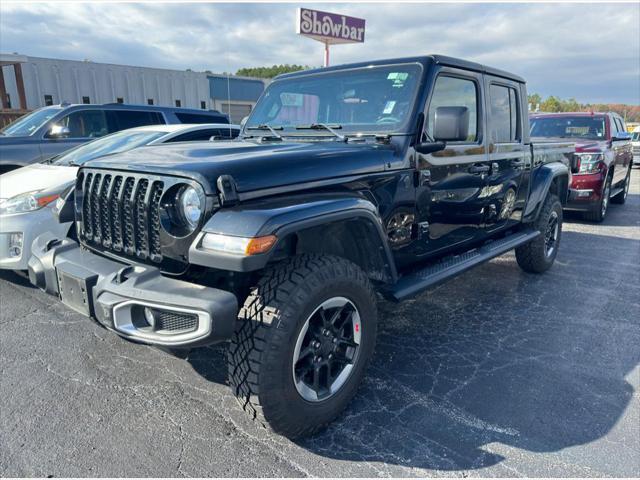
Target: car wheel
{"type": "Point", "coordinates": [599, 213]}
{"type": "Point", "coordinates": [304, 337]}
{"type": "Point", "coordinates": [539, 254]}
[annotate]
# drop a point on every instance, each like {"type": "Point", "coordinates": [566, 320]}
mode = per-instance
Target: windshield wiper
{"type": "Point", "coordinates": [324, 126]}
{"type": "Point", "coordinates": [264, 126]}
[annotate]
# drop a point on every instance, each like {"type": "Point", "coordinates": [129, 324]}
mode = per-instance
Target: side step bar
{"type": "Point", "coordinates": [428, 277]}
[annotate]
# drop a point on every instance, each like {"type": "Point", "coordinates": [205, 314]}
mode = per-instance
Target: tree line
{"type": "Point", "coordinates": [631, 113]}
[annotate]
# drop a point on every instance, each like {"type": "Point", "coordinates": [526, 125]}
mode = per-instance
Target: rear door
{"type": "Point", "coordinates": [448, 202]}
{"type": "Point", "coordinates": [508, 156]}
{"type": "Point", "coordinates": [621, 148]}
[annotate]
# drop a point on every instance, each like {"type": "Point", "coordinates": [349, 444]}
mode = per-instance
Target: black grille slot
{"type": "Point", "coordinates": [175, 321]}
{"type": "Point", "coordinates": [105, 223]}
{"type": "Point", "coordinates": [120, 213]}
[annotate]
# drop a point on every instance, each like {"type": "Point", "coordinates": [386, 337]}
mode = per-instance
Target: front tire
{"type": "Point", "coordinates": [600, 211]}
{"type": "Point", "coordinates": [304, 337]}
{"type": "Point", "coordinates": [538, 255]}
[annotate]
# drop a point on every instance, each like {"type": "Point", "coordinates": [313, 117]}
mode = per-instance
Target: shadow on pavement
{"type": "Point", "coordinates": [497, 356]}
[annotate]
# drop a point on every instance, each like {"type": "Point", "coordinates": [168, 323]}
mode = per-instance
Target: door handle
{"type": "Point", "coordinates": [479, 169]}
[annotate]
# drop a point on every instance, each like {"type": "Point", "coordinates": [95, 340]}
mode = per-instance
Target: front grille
{"type": "Point", "coordinates": [174, 321]}
{"type": "Point", "coordinates": [120, 213]}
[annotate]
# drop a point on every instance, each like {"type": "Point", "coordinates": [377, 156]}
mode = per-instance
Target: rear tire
{"type": "Point", "coordinates": [621, 197]}
{"type": "Point", "coordinates": [281, 342]}
{"type": "Point", "coordinates": [539, 254]}
{"type": "Point", "coordinates": [600, 211]}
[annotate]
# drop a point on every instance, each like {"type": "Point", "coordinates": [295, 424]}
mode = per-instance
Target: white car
{"type": "Point", "coordinates": [635, 145]}
{"type": "Point", "coordinates": [28, 194]}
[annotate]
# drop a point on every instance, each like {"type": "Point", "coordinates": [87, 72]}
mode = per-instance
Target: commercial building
{"type": "Point", "coordinates": [29, 82]}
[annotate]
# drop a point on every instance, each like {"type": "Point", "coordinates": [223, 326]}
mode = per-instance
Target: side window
{"type": "Point", "coordinates": [619, 125]}
{"type": "Point", "coordinates": [132, 118]}
{"type": "Point", "coordinates": [195, 118]}
{"type": "Point", "coordinates": [85, 124]}
{"type": "Point", "coordinates": [504, 114]}
{"type": "Point", "coordinates": [454, 92]}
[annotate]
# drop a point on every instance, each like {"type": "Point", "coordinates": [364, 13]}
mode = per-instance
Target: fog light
{"type": "Point", "coordinates": [149, 317]}
{"type": "Point", "coordinates": [15, 245]}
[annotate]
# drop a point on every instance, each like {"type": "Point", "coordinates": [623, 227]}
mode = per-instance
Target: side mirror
{"type": "Point", "coordinates": [59, 131]}
{"type": "Point", "coordinates": [621, 136]}
{"type": "Point", "coordinates": [451, 124]}
{"type": "Point", "coordinates": [243, 121]}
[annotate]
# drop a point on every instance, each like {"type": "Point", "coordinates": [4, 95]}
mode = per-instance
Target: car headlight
{"type": "Point", "coordinates": [190, 206]}
{"type": "Point", "coordinates": [589, 162]}
{"type": "Point", "coordinates": [27, 202]}
{"type": "Point", "coordinates": [238, 245]}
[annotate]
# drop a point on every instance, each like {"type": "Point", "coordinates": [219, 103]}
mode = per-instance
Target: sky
{"type": "Point", "coordinates": [590, 52]}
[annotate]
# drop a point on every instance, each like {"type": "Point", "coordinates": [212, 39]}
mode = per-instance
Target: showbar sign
{"type": "Point", "coordinates": [329, 28]}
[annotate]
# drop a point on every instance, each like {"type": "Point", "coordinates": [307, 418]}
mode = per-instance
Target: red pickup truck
{"type": "Point", "coordinates": [601, 167]}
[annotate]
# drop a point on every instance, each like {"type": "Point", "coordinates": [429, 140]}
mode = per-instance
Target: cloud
{"type": "Point", "coordinates": [587, 51]}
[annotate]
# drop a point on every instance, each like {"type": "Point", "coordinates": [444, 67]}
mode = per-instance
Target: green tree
{"type": "Point", "coordinates": [270, 72]}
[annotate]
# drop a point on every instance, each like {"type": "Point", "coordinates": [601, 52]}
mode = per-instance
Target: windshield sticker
{"type": "Point", "coordinates": [388, 108]}
{"type": "Point", "coordinates": [577, 130]}
{"type": "Point", "coordinates": [291, 99]}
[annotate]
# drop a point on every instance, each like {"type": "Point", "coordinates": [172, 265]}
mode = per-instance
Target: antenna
{"type": "Point", "coordinates": [229, 94]}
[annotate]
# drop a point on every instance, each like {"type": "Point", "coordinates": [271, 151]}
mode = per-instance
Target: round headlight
{"type": "Point", "coordinates": [190, 206]}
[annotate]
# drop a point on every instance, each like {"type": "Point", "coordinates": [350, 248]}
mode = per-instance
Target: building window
{"type": "Point", "coordinates": [178, 103]}
{"type": "Point", "coordinates": [149, 101]}
{"type": "Point", "coordinates": [120, 100]}
{"type": "Point", "coordinates": [86, 100]}
{"type": "Point", "coordinates": [203, 105]}
{"type": "Point", "coordinates": [8, 101]}
{"type": "Point", "coordinates": [48, 100]}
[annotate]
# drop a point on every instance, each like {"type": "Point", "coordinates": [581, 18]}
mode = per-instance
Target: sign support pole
{"type": "Point", "coordinates": [326, 54]}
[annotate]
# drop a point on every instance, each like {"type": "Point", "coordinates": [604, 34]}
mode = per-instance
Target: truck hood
{"type": "Point", "coordinates": [254, 166]}
{"type": "Point", "coordinates": [35, 177]}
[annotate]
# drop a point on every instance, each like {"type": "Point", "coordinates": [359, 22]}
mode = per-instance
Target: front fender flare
{"type": "Point", "coordinates": [282, 217]}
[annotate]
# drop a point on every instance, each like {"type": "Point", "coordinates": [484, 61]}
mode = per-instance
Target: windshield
{"type": "Point", "coordinates": [114, 143]}
{"type": "Point", "coordinates": [28, 124]}
{"type": "Point", "coordinates": [581, 127]}
{"type": "Point", "coordinates": [376, 100]}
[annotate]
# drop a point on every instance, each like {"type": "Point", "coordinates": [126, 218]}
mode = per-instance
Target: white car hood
{"type": "Point", "coordinates": [35, 177]}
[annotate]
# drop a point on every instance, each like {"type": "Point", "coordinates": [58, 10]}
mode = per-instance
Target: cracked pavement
{"type": "Point", "coordinates": [495, 373]}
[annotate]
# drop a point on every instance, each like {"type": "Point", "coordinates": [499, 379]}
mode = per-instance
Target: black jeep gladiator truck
{"type": "Point", "coordinates": [349, 182]}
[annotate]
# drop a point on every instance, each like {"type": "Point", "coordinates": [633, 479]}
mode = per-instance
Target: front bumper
{"type": "Point", "coordinates": [30, 225]}
{"type": "Point", "coordinates": [120, 296]}
{"type": "Point", "coordinates": [585, 191]}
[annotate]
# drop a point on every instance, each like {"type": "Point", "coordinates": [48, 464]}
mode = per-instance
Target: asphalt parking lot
{"type": "Point", "coordinates": [496, 373]}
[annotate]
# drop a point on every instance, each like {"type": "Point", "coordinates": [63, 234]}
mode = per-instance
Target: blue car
{"type": "Point", "coordinates": [49, 131]}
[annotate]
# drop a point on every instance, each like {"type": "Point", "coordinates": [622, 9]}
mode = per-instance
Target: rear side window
{"type": "Point", "coordinates": [504, 114]}
{"type": "Point", "coordinates": [134, 118]}
{"type": "Point", "coordinates": [198, 118]}
{"type": "Point", "coordinates": [455, 92]}
{"type": "Point", "coordinates": [85, 124]}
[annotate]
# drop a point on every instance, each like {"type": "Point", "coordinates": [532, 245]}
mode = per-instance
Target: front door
{"type": "Point", "coordinates": [509, 157]}
{"type": "Point", "coordinates": [449, 207]}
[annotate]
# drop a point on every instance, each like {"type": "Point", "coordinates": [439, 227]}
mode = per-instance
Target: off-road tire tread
{"type": "Point", "coordinates": [259, 333]}
{"type": "Point", "coordinates": [531, 256]}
